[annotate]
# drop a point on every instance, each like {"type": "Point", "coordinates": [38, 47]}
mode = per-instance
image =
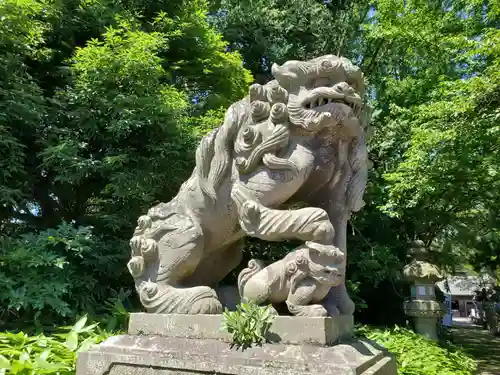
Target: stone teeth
{"type": "Point", "coordinates": [325, 100]}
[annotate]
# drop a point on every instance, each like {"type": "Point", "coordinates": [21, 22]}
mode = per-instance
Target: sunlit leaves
{"type": "Point", "coordinates": [416, 355]}
{"type": "Point", "coordinates": [41, 354]}
{"type": "Point", "coordinates": [446, 176]}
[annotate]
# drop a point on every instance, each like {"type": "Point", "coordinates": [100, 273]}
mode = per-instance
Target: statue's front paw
{"type": "Point", "coordinates": [250, 216]}
{"type": "Point", "coordinates": [251, 210]}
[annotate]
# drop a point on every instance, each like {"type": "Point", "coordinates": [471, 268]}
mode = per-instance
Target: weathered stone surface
{"type": "Point", "coordinates": [158, 355]}
{"type": "Point", "coordinates": [297, 141]}
{"type": "Point", "coordinates": [285, 329]}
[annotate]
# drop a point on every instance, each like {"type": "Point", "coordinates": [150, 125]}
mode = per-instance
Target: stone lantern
{"type": "Point", "coordinates": [422, 306]}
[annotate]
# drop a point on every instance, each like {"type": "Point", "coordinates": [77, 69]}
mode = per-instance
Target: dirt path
{"type": "Point", "coordinates": [481, 345]}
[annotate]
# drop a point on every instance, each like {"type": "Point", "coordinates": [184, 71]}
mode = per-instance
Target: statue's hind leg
{"type": "Point", "coordinates": [174, 253]}
{"type": "Point", "coordinates": [214, 268]}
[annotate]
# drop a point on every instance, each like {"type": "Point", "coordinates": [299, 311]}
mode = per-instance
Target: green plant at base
{"type": "Point", "coordinates": [117, 315]}
{"type": "Point", "coordinates": [248, 325]}
{"type": "Point", "coordinates": [55, 354]}
{"type": "Point", "coordinates": [416, 355]}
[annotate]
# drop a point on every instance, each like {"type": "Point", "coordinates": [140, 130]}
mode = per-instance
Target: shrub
{"type": "Point", "coordinates": [54, 354]}
{"type": "Point", "coordinates": [56, 272]}
{"type": "Point", "coordinates": [416, 355]}
{"type": "Point", "coordinates": [248, 325]}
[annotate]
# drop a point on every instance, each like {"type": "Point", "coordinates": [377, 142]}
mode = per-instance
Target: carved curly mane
{"type": "Point", "coordinates": [215, 153]}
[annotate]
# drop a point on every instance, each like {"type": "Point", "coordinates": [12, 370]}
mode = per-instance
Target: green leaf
{"type": "Point", "coordinates": [87, 343]}
{"type": "Point", "coordinates": [4, 362]}
{"type": "Point", "coordinates": [24, 357]}
{"type": "Point", "coordinates": [72, 340]}
{"type": "Point", "coordinates": [80, 324]}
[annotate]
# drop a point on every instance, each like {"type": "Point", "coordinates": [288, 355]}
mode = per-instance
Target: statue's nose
{"type": "Point", "coordinates": [343, 88]}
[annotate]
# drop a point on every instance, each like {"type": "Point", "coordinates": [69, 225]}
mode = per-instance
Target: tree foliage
{"type": "Point", "coordinates": [101, 105]}
{"type": "Point", "coordinates": [443, 144]}
{"type": "Point", "coordinates": [265, 32]}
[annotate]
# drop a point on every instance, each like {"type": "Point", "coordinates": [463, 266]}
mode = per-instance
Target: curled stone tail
{"type": "Point", "coordinates": [254, 267]}
{"type": "Point", "coordinates": [168, 299]}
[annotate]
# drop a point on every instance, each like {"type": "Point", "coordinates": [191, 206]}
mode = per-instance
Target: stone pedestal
{"type": "Point", "coordinates": [425, 314]}
{"type": "Point", "coordinates": [194, 344]}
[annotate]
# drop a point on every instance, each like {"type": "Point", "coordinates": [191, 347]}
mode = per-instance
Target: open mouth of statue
{"type": "Point", "coordinates": [330, 102]}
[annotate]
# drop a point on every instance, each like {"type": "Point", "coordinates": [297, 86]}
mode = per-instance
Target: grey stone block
{"type": "Point", "coordinates": [285, 329]}
{"type": "Point", "coordinates": [159, 355]}
{"type": "Point", "coordinates": [176, 344]}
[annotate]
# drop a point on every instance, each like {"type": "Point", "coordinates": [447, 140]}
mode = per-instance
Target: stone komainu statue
{"type": "Point", "coordinates": [298, 139]}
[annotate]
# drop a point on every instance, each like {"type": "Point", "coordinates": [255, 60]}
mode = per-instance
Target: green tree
{"type": "Point", "coordinates": [266, 31]}
{"type": "Point", "coordinates": [450, 168]}
{"type": "Point", "coordinates": [433, 81]}
{"type": "Point", "coordinates": [101, 106]}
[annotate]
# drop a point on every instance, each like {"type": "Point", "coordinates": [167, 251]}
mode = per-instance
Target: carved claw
{"type": "Point", "coordinates": [135, 245]}
{"type": "Point", "coordinates": [143, 223]}
{"type": "Point", "coordinates": [251, 212]}
{"type": "Point", "coordinates": [136, 266]}
{"type": "Point", "coordinates": [149, 248]}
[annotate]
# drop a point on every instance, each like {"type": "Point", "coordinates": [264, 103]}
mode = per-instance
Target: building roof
{"type": "Point", "coordinates": [461, 285]}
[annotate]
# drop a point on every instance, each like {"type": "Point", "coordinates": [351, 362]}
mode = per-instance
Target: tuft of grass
{"type": "Point", "coordinates": [248, 325]}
